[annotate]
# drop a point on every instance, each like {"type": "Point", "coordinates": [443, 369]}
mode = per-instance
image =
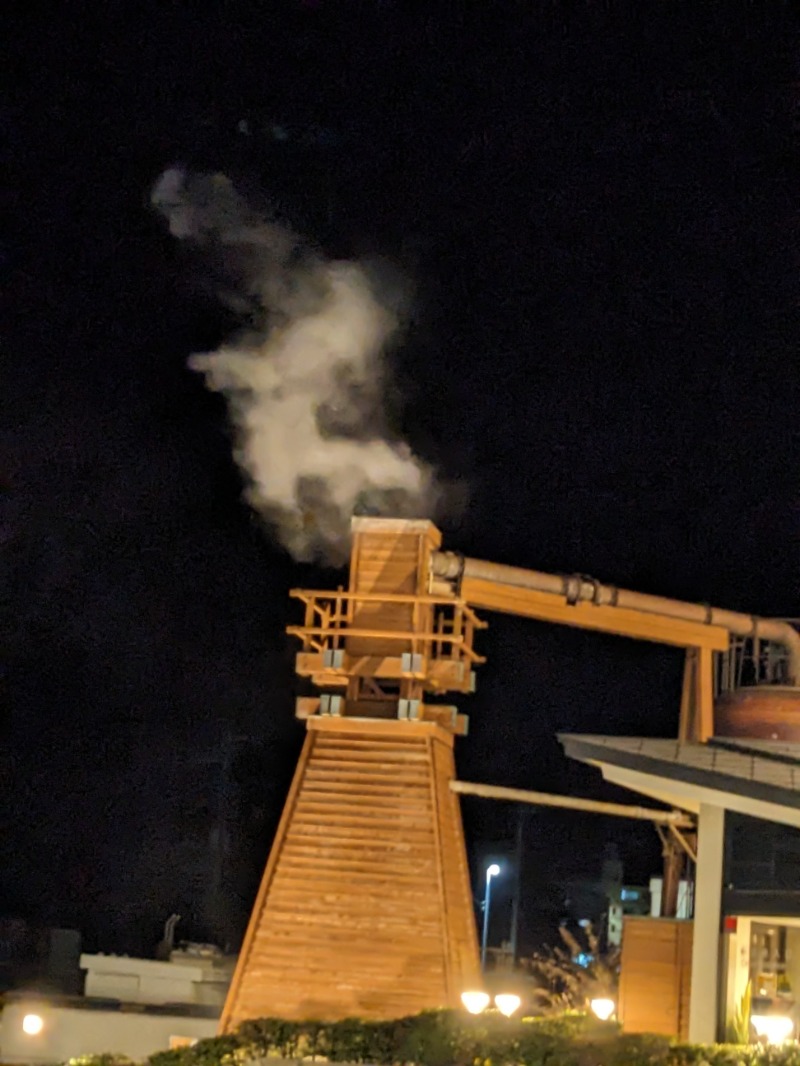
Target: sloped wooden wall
{"type": "Point", "coordinates": [365, 907]}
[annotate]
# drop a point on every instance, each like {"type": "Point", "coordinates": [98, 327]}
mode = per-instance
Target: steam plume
{"type": "Point", "coordinates": [304, 379]}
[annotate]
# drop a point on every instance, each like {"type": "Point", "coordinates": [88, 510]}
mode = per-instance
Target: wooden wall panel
{"type": "Point", "coordinates": [655, 975]}
{"type": "Point", "coordinates": [389, 557]}
{"type": "Point", "coordinates": [365, 908]}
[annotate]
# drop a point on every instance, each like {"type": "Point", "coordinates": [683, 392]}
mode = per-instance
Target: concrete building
{"type": "Point", "coordinates": [131, 1007]}
{"type": "Point", "coordinates": [604, 901]}
{"type": "Point", "coordinates": [188, 977]}
{"type": "Point", "coordinates": [746, 797]}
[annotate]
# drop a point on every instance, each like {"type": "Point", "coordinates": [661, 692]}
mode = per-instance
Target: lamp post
{"type": "Point", "coordinates": [491, 871]}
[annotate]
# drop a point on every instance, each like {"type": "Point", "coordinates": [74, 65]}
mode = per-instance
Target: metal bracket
{"type": "Point", "coordinates": [408, 709]}
{"type": "Point", "coordinates": [331, 705]}
{"type": "Point", "coordinates": [411, 664]}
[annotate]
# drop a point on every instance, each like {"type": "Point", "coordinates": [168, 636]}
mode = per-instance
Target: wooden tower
{"type": "Point", "coordinates": [365, 907]}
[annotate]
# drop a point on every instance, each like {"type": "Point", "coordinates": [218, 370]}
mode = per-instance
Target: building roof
{"type": "Point", "coordinates": [754, 770]}
{"type": "Point", "coordinates": [100, 1003]}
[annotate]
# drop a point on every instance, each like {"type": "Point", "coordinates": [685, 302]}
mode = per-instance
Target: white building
{"type": "Point", "coordinates": [131, 1007]}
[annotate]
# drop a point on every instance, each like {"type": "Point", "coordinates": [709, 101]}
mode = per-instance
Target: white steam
{"type": "Point", "coordinates": [304, 383]}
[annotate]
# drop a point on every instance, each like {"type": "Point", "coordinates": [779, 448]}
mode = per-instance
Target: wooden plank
{"type": "Point", "coordinates": [331, 770]}
{"type": "Point", "coordinates": [374, 895]}
{"type": "Point", "coordinates": [379, 823]}
{"type": "Point", "coordinates": [376, 792]}
{"type": "Point", "coordinates": [287, 949]}
{"type": "Point", "coordinates": [357, 762]}
{"type": "Point", "coordinates": [377, 746]}
{"type": "Point", "coordinates": [375, 849]}
{"type": "Point", "coordinates": [416, 838]}
{"type": "Point", "coordinates": [367, 727]}
{"type": "Point", "coordinates": [377, 796]}
{"type": "Point", "coordinates": [332, 869]}
{"type": "Point", "coordinates": [334, 918]}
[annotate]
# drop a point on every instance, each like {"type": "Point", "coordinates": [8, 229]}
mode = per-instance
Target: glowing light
{"type": "Point", "coordinates": [492, 871]}
{"type": "Point", "coordinates": [775, 1028]}
{"type": "Point", "coordinates": [507, 1003]}
{"type": "Point", "coordinates": [32, 1024]}
{"type": "Point", "coordinates": [475, 1002]}
{"type": "Point", "coordinates": [603, 1008]}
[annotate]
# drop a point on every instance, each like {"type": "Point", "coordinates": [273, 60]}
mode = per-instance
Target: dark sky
{"type": "Point", "coordinates": [597, 208]}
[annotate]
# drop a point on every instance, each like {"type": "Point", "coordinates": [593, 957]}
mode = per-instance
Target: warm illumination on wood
{"type": "Point", "coordinates": [655, 976]}
{"type": "Point", "coordinates": [365, 908]}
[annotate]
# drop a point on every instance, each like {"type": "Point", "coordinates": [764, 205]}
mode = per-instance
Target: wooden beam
{"type": "Point", "coordinates": [574, 803]}
{"type": "Point", "coordinates": [687, 729]}
{"type": "Point", "coordinates": [622, 621]}
{"type": "Point", "coordinates": [705, 694]}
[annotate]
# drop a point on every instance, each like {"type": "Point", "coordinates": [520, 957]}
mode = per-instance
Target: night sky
{"type": "Point", "coordinates": [596, 205]}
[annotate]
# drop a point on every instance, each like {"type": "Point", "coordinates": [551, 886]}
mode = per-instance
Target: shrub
{"type": "Point", "coordinates": [106, 1059]}
{"type": "Point", "coordinates": [565, 984]}
{"type": "Point", "coordinates": [450, 1038]}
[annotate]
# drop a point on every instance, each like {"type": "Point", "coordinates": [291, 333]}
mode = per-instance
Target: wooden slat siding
{"type": "Point", "coordinates": [685, 938]}
{"type": "Point", "coordinates": [241, 975]}
{"type": "Point", "coordinates": [365, 908]}
{"type": "Point", "coordinates": [392, 559]}
{"type": "Point", "coordinates": [655, 973]}
{"type": "Point", "coordinates": [457, 889]}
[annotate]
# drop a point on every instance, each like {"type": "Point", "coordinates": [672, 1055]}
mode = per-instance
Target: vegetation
{"type": "Point", "coordinates": [740, 1027]}
{"type": "Point", "coordinates": [564, 982]}
{"type": "Point", "coordinates": [454, 1039]}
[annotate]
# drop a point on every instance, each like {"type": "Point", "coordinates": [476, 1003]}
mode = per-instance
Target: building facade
{"type": "Point", "coordinates": [745, 795]}
{"type": "Point", "coordinates": [131, 1007]}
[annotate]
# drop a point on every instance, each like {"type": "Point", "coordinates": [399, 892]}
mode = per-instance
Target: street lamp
{"type": "Point", "coordinates": [491, 871]}
{"type": "Point", "coordinates": [773, 1028]}
{"type": "Point", "coordinates": [475, 1002]}
{"type": "Point", "coordinates": [507, 1003]}
{"type": "Point", "coordinates": [602, 1007]}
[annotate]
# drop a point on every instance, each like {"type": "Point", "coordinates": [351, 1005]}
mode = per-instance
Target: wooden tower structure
{"type": "Point", "coordinates": [365, 907]}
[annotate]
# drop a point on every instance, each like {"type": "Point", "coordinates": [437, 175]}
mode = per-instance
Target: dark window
{"type": "Point", "coordinates": [761, 856]}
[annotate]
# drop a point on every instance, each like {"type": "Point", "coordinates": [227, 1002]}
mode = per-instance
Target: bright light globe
{"type": "Point", "coordinates": [32, 1024]}
{"type": "Point", "coordinates": [507, 1003]}
{"type": "Point", "coordinates": [475, 1002]}
{"type": "Point", "coordinates": [774, 1028]}
{"type": "Point", "coordinates": [603, 1008]}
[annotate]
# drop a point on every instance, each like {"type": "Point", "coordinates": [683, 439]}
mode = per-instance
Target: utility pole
{"type": "Point", "coordinates": [216, 898]}
{"type": "Point", "coordinates": [515, 902]}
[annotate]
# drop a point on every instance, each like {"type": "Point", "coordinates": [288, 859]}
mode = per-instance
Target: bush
{"type": "Point", "coordinates": [213, 1051]}
{"type": "Point", "coordinates": [106, 1059]}
{"type": "Point", "coordinates": [451, 1038]}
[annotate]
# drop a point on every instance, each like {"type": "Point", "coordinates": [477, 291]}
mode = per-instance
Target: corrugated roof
{"type": "Point", "coordinates": [760, 769]}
